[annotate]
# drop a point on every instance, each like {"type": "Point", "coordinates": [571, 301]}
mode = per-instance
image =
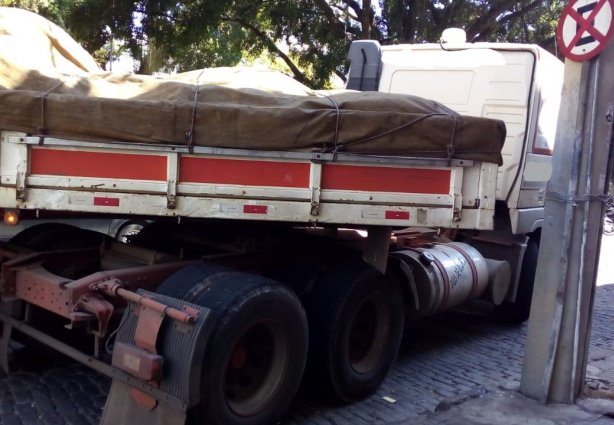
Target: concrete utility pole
{"type": "Point", "coordinates": [559, 327]}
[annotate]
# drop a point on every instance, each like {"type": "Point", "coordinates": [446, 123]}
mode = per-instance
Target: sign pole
{"type": "Point", "coordinates": [559, 327]}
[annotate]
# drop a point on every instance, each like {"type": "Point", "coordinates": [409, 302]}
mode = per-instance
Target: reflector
{"type": "Point", "coordinates": [11, 217]}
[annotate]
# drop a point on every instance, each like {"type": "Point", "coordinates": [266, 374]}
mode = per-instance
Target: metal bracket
{"type": "Point", "coordinates": [377, 247]}
{"type": "Point", "coordinates": [20, 186]}
{"type": "Point", "coordinates": [457, 208]}
{"type": "Point", "coordinates": [315, 201]}
{"type": "Point", "coordinates": [315, 182]}
{"type": "Point", "coordinates": [99, 307]}
{"type": "Point", "coordinates": [173, 176]}
{"type": "Point", "coordinates": [456, 214]}
{"type": "Point", "coordinates": [457, 193]}
{"type": "Point", "coordinates": [171, 195]}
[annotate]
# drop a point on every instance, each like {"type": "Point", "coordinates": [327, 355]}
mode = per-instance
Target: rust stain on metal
{"type": "Point", "coordinates": [99, 307]}
{"type": "Point", "coordinates": [144, 401]}
{"type": "Point", "coordinates": [148, 328]}
{"type": "Point", "coordinates": [115, 288]}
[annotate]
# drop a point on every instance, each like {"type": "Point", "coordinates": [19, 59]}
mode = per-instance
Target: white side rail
{"type": "Point", "coordinates": [303, 187]}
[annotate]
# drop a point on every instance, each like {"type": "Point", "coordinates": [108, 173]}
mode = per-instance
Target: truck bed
{"type": "Point", "coordinates": [297, 187]}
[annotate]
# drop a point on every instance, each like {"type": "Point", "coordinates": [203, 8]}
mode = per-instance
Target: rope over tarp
{"type": "Point", "coordinates": [190, 132]}
{"type": "Point", "coordinates": [42, 130]}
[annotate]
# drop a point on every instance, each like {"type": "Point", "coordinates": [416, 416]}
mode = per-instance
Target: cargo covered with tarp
{"type": "Point", "coordinates": [50, 86]}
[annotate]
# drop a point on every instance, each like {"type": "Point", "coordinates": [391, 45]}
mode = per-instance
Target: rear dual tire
{"type": "Point", "coordinates": [356, 320]}
{"type": "Point", "coordinates": [256, 354]}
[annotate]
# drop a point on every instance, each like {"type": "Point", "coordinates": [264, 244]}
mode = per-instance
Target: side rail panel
{"type": "Point", "coordinates": [300, 187]}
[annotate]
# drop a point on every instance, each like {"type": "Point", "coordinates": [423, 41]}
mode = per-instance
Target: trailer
{"type": "Point", "coordinates": [246, 220]}
{"type": "Point", "coordinates": [290, 235]}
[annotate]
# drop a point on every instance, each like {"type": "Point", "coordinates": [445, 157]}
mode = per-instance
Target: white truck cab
{"type": "Point", "coordinates": [517, 83]}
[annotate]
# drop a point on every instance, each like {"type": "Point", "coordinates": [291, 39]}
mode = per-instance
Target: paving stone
{"type": "Point", "coordinates": [10, 420]}
{"type": "Point", "coordinates": [441, 361]}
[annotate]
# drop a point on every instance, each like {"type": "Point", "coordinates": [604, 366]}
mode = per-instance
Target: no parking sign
{"type": "Point", "coordinates": [584, 28]}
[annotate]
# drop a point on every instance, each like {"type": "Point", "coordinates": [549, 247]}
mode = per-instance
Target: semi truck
{"type": "Point", "coordinates": [296, 258]}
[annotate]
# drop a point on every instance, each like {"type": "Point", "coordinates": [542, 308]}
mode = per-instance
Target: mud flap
{"type": "Point", "coordinates": [180, 349]}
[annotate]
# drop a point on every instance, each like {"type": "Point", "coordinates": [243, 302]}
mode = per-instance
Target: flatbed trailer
{"type": "Point", "coordinates": [88, 281]}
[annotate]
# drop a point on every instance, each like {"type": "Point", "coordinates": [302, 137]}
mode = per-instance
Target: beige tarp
{"type": "Point", "coordinates": [50, 85]}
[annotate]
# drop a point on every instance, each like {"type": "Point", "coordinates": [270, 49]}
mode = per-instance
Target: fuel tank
{"type": "Point", "coordinates": [445, 276]}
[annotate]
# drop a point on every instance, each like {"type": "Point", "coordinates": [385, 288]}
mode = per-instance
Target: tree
{"type": "Point", "coordinates": [52, 9]}
{"type": "Point", "coordinates": [310, 37]}
{"type": "Point", "coordinates": [500, 20]}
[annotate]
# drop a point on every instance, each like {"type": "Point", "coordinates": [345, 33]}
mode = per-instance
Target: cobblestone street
{"type": "Point", "coordinates": [443, 362]}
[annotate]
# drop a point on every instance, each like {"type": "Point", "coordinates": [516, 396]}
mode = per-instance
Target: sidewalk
{"type": "Point", "coordinates": [504, 407]}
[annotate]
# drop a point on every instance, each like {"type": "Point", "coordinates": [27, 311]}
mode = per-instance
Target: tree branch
{"type": "Point", "coordinates": [484, 25]}
{"type": "Point", "coordinates": [298, 74]}
{"type": "Point", "coordinates": [489, 26]}
{"type": "Point", "coordinates": [336, 26]}
{"type": "Point", "coordinates": [355, 7]}
{"type": "Point", "coordinates": [435, 13]}
{"type": "Point", "coordinates": [365, 19]}
{"type": "Point", "coordinates": [520, 13]}
{"type": "Point", "coordinates": [364, 15]}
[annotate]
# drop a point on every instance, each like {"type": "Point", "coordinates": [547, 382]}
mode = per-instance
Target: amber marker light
{"type": "Point", "coordinates": [11, 217]}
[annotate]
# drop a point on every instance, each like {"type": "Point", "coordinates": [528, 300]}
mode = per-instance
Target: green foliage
{"type": "Point", "coordinates": [54, 10]}
{"type": "Point", "coordinates": [310, 37]}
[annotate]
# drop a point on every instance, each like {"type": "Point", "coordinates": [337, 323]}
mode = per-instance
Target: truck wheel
{"type": "Point", "coordinates": [256, 354]}
{"type": "Point", "coordinates": [128, 230]}
{"type": "Point", "coordinates": [356, 319]}
{"type": "Point", "coordinates": [518, 311]}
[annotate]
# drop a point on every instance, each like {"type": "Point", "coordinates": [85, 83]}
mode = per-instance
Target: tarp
{"type": "Point", "coordinates": [50, 85]}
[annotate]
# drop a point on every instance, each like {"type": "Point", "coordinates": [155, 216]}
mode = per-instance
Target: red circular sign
{"type": "Point", "coordinates": [584, 28]}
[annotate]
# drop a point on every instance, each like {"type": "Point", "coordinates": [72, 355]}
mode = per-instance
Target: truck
{"type": "Point", "coordinates": [265, 265]}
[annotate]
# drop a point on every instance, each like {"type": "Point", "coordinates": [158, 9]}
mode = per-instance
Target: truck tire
{"type": "Point", "coordinates": [254, 360]}
{"type": "Point", "coordinates": [518, 311]}
{"type": "Point", "coordinates": [356, 320]}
